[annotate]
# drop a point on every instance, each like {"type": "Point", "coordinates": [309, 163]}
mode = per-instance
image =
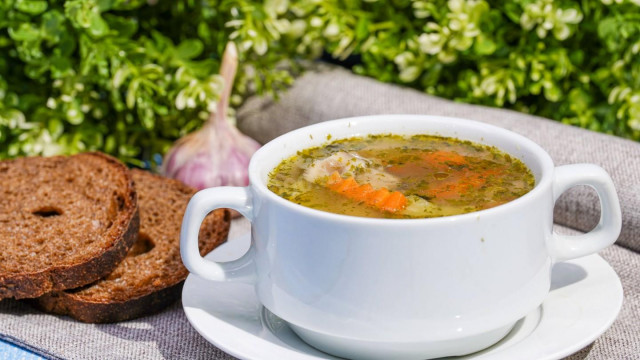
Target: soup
{"type": "Point", "coordinates": [393, 176]}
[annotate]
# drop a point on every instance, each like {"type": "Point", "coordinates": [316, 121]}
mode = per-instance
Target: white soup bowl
{"type": "Point", "coordinates": [401, 288]}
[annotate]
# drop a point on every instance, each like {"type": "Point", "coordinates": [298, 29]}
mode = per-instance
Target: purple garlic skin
{"type": "Point", "coordinates": [216, 155]}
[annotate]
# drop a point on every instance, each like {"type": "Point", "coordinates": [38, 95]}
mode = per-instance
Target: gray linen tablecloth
{"type": "Point", "coordinates": [333, 93]}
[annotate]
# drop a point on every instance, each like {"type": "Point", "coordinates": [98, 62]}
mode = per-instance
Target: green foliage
{"type": "Point", "coordinates": [573, 61]}
{"type": "Point", "coordinates": [127, 76]}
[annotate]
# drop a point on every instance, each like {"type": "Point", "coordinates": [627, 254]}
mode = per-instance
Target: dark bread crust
{"type": "Point", "coordinates": [64, 303]}
{"type": "Point", "coordinates": [120, 236]}
{"type": "Point", "coordinates": [105, 301]}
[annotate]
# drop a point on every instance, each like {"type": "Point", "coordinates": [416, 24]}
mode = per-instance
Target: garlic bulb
{"type": "Point", "coordinates": [218, 154]}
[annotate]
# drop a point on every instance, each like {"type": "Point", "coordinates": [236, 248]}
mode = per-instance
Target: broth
{"type": "Point", "coordinates": [393, 176]}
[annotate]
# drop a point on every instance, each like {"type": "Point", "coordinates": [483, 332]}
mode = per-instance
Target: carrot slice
{"type": "Point", "coordinates": [361, 192]}
{"type": "Point", "coordinates": [378, 197]}
{"type": "Point", "coordinates": [381, 198]}
{"type": "Point", "coordinates": [345, 185]}
{"type": "Point", "coordinates": [395, 201]}
{"type": "Point", "coordinates": [467, 182]}
{"type": "Point", "coordinates": [442, 157]}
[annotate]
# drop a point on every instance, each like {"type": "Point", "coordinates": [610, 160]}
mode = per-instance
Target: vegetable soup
{"type": "Point", "coordinates": [393, 176]}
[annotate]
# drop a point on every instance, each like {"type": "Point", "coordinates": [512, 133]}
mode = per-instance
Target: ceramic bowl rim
{"type": "Point", "coordinates": [275, 145]}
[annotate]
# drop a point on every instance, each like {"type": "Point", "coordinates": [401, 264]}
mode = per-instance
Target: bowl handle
{"type": "Point", "coordinates": [201, 204]}
{"type": "Point", "coordinates": [563, 247]}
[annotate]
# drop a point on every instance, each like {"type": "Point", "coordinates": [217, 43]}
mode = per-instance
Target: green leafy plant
{"type": "Point", "coordinates": [573, 61]}
{"type": "Point", "coordinates": [129, 77]}
{"type": "Point", "coordinates": [123, 76]}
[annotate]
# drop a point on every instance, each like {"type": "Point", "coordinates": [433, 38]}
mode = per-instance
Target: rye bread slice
{"type": "Point", "coordinates": [65, 221]}
{"type": "Point", "coordinates": [152, 275]}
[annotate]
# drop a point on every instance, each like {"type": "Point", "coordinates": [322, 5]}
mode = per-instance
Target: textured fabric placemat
{"type": "Point", "coordinates": [168, 335]}
{"type": "Point", "coordinates": [334, 93]}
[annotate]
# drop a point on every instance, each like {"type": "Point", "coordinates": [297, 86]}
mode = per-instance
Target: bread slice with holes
{"type": "Point", "coordinates": [65, 221]}
{"type": "Point", "coordinates": [152, 275]}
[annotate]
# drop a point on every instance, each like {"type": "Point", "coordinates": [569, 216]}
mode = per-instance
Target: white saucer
{"type": "Point", "coordinates": [585, 299]}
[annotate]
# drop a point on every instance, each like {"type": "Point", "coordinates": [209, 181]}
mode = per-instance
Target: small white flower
{"type": "Point", "coordinates": [260, 46]}
{"type": "Point", "coordinates": [181, 100]}
{"type": "Point", "coordinates": [180, 74]}
{"type": "Point", "coordinates": [245, 45]}
{"type": "Point", "coordinates": [447, 56]}
{"type": "Point", "coordinates": [455, 25]}
{"type": "Point", "coordinates": [433, 26]}
{"type": "Point", "coordinates": [526, 22]}
{"type": "Point", "coordinates": [430, 43]}
{"type": "Point", "coordinates": [403, 59]}
{"type": "Point", "coordinates": [315, 22]}
{"type": "Point", "coordinates": [343, 44]}
{"type": "Point", "coordinates": [561, 32]}
{"type": "Point", "coordinates": [331, 30]}
{"type": "Point", "coordinates": [456, 5]}
{"type": "Point", "coordinates": [297, 28]}
{"type": "Point", "coordinates": [410, 73]}
{"type": "Point", "coordinates": [511, 86]}
{"type": "Point", "coordinates": [420, 9]}
{"type": "Point", "coordinates": [488, 85]}
{"type": "Point", "coordinates": [571, 16]}
{"type": "Point", "coordinates": [276, 6]}
{"type": "Point", "coordinates": [234, 23]}
{"type": "Point", "coordinates": [282, 25]}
